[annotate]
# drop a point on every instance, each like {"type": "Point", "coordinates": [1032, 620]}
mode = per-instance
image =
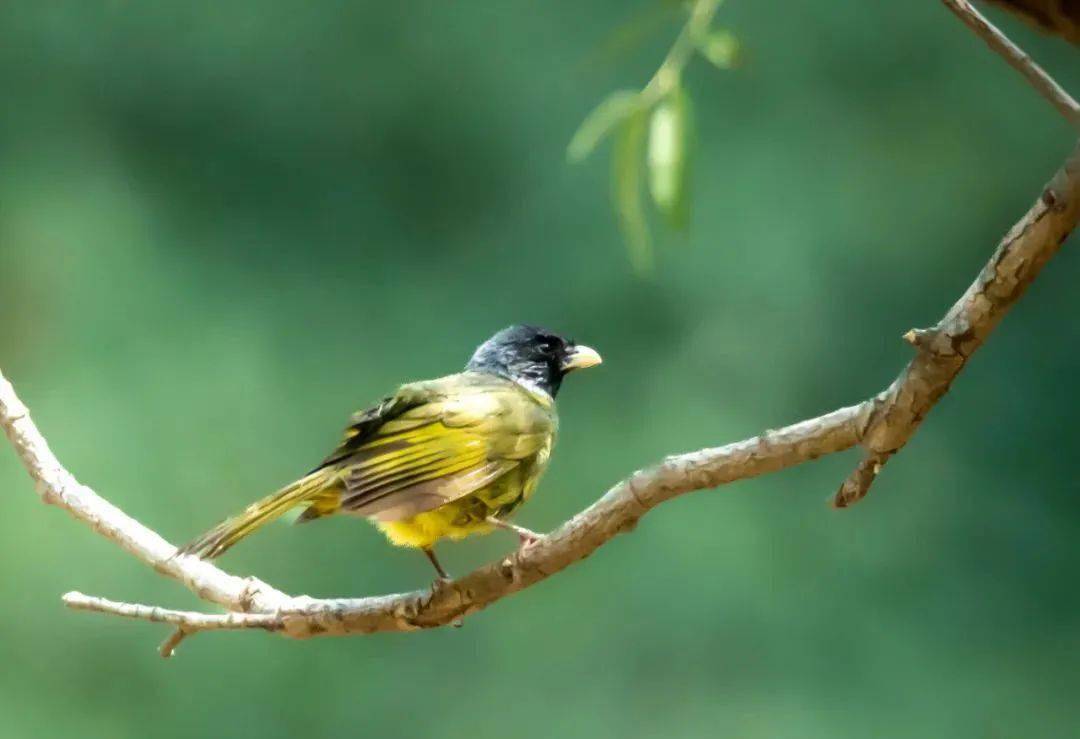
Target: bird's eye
{"type": "Point", "coordinates": [547, 347]}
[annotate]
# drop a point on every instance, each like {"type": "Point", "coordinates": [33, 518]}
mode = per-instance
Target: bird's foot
{"type": "Point", "coordinates": [525, 536]}
{"type": "Point", "coordinates": [443, 577]}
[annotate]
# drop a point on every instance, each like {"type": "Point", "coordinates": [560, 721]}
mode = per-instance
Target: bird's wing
{"type": "Point", "coordinates": [436, 442]}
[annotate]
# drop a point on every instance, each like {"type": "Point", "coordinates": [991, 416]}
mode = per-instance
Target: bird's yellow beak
{"type": "Point", "coordinates": [581, 357]}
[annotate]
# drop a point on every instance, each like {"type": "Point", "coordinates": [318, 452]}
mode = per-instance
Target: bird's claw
{"type": "Point", "coordinates": [527, 539]}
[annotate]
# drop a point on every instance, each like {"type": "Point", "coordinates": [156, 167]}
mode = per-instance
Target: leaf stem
{"type": "Point", "coordinates": [669, 73]}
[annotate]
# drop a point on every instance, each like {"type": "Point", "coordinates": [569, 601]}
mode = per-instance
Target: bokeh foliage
{"type": "Point", "coordinates": [224, 226]}
{"type": "Point", "coordinates": [662, 107]}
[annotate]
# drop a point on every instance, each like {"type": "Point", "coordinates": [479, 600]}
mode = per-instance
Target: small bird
{"type": "Point", "coordinates": [439, 459]}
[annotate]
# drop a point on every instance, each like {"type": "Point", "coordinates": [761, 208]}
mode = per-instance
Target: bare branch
{"type": "Point", "coordinates": [858, 483]}
{"type": "Point", "coordinates": [168, 647]}
{"type": "Point", "coordinates": [1059, 17]}
{"type": "Point", "coordinates": [614, 513]}
{"type": "Point", "coordinates": [882, 424]}
{"type": "Point", "coordinates": [187, 622]}
{"type": "Point", "coordinates": [944, 350]}
{"type": "Point", "coordinates": [1015, 56]}
{"type": "Point", "coordinates": [59, 487]}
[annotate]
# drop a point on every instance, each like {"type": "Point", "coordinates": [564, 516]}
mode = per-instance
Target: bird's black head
{"type": "Point", "coordinates": [532, 356]}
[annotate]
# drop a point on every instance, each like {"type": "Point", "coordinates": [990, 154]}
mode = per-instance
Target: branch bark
{"type": "Point", "coordinates": [882, 424]}
{"type": "Point", "coordinates": [301, 616]}
{"type": "Point", "coordinates": [1057, 17]}
{"type": "Point", "coordinates": [1043, 83]}
{"type": "Point", "coordinates": [942, 351]}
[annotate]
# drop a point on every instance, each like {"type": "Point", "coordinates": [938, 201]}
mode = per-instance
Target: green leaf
{"type": "Point", "coordinates": [720, 47]}
{"type": "Point", "coordinates": [670, 137]}
{"type": "Point", "coordinates": [627, 170]}
{"type": "Point", "coordinates": [615, 108]}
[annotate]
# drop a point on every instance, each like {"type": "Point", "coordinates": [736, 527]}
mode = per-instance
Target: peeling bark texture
{"type": "Point", "coordinates": [942, 351]}
{"type": "Point", "coordinates": [882, 425]}
{"type": "Point", "coordinates": [1057, 17]}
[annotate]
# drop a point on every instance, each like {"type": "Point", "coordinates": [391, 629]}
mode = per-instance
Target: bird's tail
{"type": "Point", "coordinates": [218, 539]}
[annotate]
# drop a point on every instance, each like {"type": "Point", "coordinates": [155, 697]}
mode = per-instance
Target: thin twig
{"type": "Point", "coordinates": [1018, 58]}
{"type": "Point", "coordinates": [168, 647]}
{"type": "Point", "coordinates": [190, 620]}
{"type": "Point", "coordinates": [186, 622]}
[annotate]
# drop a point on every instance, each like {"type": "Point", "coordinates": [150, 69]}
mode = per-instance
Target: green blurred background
{"type": "Point", "coordinates": [224, 226]}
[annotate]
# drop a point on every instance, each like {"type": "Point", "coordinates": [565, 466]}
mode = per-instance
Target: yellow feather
{"type": "Point", "coordinates": [442, 467]}
{"type": "Point", "coordinates": [424, 529]}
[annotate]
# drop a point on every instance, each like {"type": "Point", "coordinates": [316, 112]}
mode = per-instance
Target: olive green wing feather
{"type": "Point", "coordinates": [366, 423]}
{"type": "Point", "coordinates": [436, 442]}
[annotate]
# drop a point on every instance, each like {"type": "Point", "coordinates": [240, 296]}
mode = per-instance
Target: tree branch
{"type": "Point", "coordinates": [1059, 17]}
{"type": "Point", "coordinates": [882, 424]}
{"type": "Point", "coordinates": [187, 622]}
{"type": "Point", "coordinates": [1018, 59]}
{"type": "Point", "coordinates": [301, 616]}
{"type": "Point", "coordinates": [942, 351]}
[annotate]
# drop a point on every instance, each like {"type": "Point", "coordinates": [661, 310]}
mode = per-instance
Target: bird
{"type": "Point", "coordinates": [438, 459]}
